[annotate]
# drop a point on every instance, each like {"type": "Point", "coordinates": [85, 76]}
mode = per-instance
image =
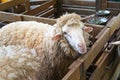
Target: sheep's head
{"type": "Point", "coordinates": [73, 30]}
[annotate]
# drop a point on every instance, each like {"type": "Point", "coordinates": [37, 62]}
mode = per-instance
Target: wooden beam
{"type": "Point", "coordinates": [79, 3]}
{"type": "Point", "coordinates": [38, 19]}
{"type": "Point", "coordinates": [74, 73]}
{"type": "Point", "coordinates": [80, 11]}
{"type": "Point", "coordinates": [10, 16]}
{"type": "Point", "coordinates": [108, 73]}
{"type": "Point", "coordinates": [12, 3]}
{"type": "Point", "coordinates": [27, 5]}
{"type": "Point", "coordinates": [104, 4]}
{"type": "Point", "coordinates": [58, 8]}
{"type": "Point", "coordinates": [77, 6]}
{"type": "Point", "coordinates": [101, 4]}
{"type": "Point", "coordinates": [32, 3]}
{"type": "Point", "coordinates": [47, 13]}
{"type": "Point", "coordinates": [19, 9]}
{"type": "Point", "coordinates": [114, 24]}
{"type": "Point", "coordinates": [40, 8]}
{"type": "Point", "coordinates": [116, 73]}
{"type": "Point", "coordinates": [101, 65]}
{"type": "Point", "coordinates": [111, 4]}
{"type": "Point", "coordinates": [108, 4]}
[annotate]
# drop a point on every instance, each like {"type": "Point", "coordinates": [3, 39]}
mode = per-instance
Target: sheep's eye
{"type": "Point", "coordinates": [65, 33]}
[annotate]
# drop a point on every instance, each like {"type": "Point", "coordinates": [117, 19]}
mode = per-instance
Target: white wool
{"type": "Point", "coordinates": [10, 51]}
{"type": "Point", "coordinates": [17, 62]}
{"type": "Point", "coordinates": [11, 76]}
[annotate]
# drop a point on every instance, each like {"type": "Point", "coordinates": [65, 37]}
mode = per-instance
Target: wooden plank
{"type": "Point", "coordinates": [39, 19]}
{"type": "Point", "coordinates": [78, 6]}
{"type": "Point", "coordinates": [40, 8]}
{"type": "Point", "coordinates": [44, 11]}
{"type": "Point", "coordinates": [27, 5]}
{"type": "Point", "coordinates": [9, 4]}
{"type": "Point", "coordinates": [108, 73]}
{"type": "Point", "coordinates": [74, 73]}
{"type": "Point", "coordinates": [95, 26]}
{"type": "Point", "coordinates": [85, 18]}
{"type": "Point", "coordinates": [58, 8]}
{"type": "Point", "coordinates": [19, 9]}
{"type": "Point", "coordinates": [74, 76]}
{"type": "Point", "coordinates": [52, 16]}
{"type": "Point", "coordinates": [101, 32]}
{"type": "Point", "coordinates": [10, 16]}
{"type": "Point", "coordinates": [47, 13]}
{"type": "Point", "coordinates": [78, 2]}
{"type": "Point", "coordinates": [101, 65]}
{"type": "Point", "coordinates": [116, 73]}
{"type": "Point", "coordinates": [37, 2]}
{"type": "Point", "coordinates": [111, 4]}
{"type": "Point", "coordinates": [19, 17]}
{"type": "Point", "coordinates": [104, 4]}
{"type": "Point", "coordinates": [113, 9]}
{"type": "Point", "coordinates": [101, 4]}
{"type": "Point", "coordinates": [113, 25]}
{"type": "Point", "coordinates": [79, 11]}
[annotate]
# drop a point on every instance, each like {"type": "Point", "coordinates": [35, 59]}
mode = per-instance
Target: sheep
{"type": "Point", "coordinates": [57, 46]}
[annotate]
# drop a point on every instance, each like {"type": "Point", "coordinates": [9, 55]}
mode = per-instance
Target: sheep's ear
{"type": "Point", "coordinates": [88, 29]}
{"type": "Point", "coordinates": [57, 37]}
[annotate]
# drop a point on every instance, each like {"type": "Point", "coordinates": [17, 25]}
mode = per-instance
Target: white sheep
{"type": "Point", "coordinates": [56, 45]}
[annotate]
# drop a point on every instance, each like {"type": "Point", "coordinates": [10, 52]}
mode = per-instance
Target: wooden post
{"type": "Point", "coordinates": [58, 8]}
{"type": "Point", "coordinates": [101, 4]}
{"type": "Point", "coordinates": [27, 5]}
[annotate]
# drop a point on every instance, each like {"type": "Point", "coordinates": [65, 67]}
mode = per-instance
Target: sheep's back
{"type": "Point", "coordinates": [35, 35]}
{"type": "Point", "coordinates": [28, 33]}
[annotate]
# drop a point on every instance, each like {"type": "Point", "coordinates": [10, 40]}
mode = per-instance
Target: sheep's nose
{"type": "Point", "coordinates": [82, 47]}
